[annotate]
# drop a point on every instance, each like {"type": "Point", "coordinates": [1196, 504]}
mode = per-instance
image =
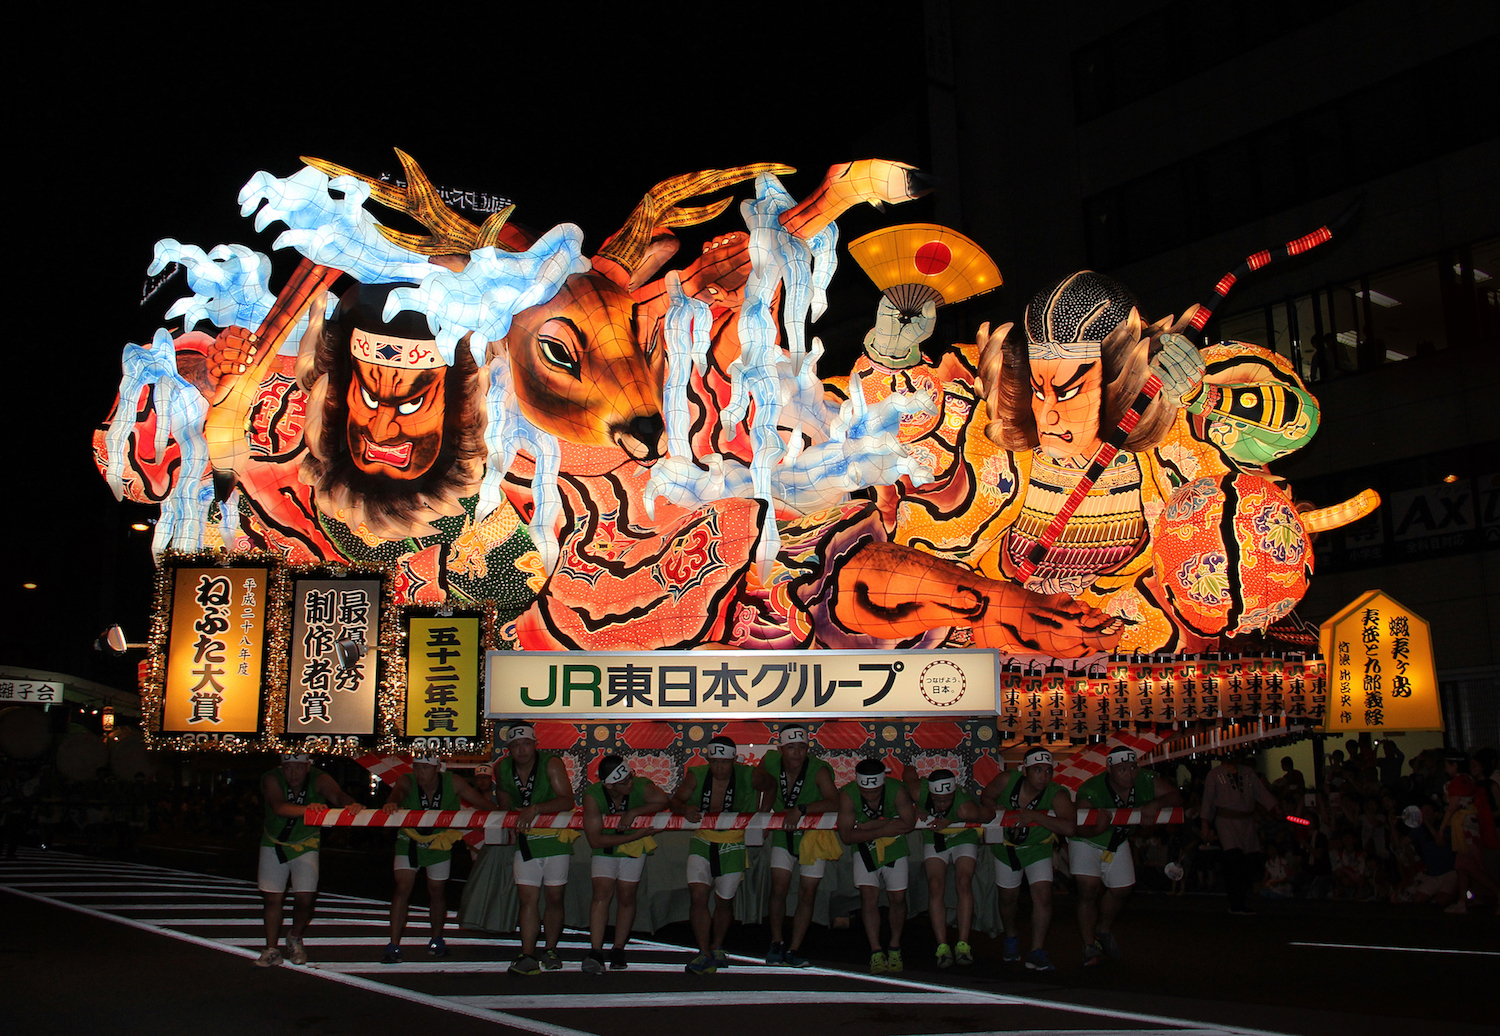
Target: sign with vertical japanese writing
{"type": "Point", "coordinates": [215, 651]}
{"type": "Point", "coordinates": [708, 685]}
{"type": "Point", "coordinates": [322, 696]}
{"type": "Point", "coordinates": [1383, 673]}
{"type": "Point", "coordinates": [442, 675]}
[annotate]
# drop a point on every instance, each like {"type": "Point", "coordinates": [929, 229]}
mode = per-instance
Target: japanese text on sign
{"type": "Point", "coordinates": [442, 677]}
{"type": "Point", "coordinates": [735, 684]}
{"type": "Point", "coordinates": [1384, 677]}
{"type": "Point", "coordinates": [41, 692]}
{"type": "Point", "coordinates": [215, 650]}
{"type": "Point", "coordinates": [325, 697]}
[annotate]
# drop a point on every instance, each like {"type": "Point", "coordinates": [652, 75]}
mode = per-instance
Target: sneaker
{"type": "Point", "coordinates": [776, 955]}
{"type": "Point", "coordinates": [526, 965]}
{"type": "Point", "coordinates": [392, 954]}
{"type": "Point", "coordinates": [945, 956]}
{"type": "Point", "coordinates": [550, 960]}
{"type": "Point", "coordinates": [963, 956]}
{"type": "Point", "coordinates": [437, 946]}
{"type": "Point", "coordinates": [721, 959]}
{"type": "Point", "coordinates": [617, 961]}
{"type": "Point", "coordinates": [1106, 942]}
{"type": "Point", "coordinates": [793, 959]}
{"type": "Point", "coordinates": [701, 964]}
{"type": "Point", "coordinates": [269, 958]}
{"type": "Point", "coordinates": [1010, 951]}
{"type": "Point", "coordinates": [878, 965]}
{"type": "Point", "coordinates": [593, 963]}
{"type": "Point", "coordinates": [893, 962]}
{"type": "Point", "coordinates": [295, 951]}
{"type": "Point", "coordinates": [1093, 955]}
{"type": "Point", "coordinates": [1037, 960]}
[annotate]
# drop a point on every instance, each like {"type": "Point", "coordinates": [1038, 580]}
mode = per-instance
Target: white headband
{"type": "Point", "coordinates": [386, 350]}
{"type": "Point", "coordinates": [619, 773]}
{"type": "Point", "coordinates": [1037, 756]}
{"type": "Point", "coordinates": [430, 760]}
{"type": "Point", "coordinates": [942, 786]}
{"type": "Point", "coordinates": [719, 750]}
{"type": "Point", "coordinates": [794, 736]}
{"type": "Point", "coordinates": [1120, 754]}
{"type": "Point", "coordinates": [1064, 350]}
{"type": "Point", "coordinates": [296, 757]}
{"type": "Point", "coordinates": [870, 780]}
{"type": "Point", "coordinates": [519, 731]}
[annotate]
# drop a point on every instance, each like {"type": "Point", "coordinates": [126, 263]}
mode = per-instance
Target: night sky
{"type": "Point", "coordinates": [134, 131]}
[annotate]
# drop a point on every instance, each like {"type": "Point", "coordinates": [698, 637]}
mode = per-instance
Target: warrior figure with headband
{"type": "Point", "coordinates": [535, 783]}
{"type": "Point", "coordinates": [619, 853]}
{"type": "Point", "coordinates": [716, 859]}
{"type": "Point", "coordinates": [803, 785]}
{"type": "Point", "coordinates": [289, 850]}
{"type": "Point", "coordinates": [1099, 855]}
{"type": "Point", "coordinates": [428, 786]}
{"type": "Point", "coordinates": [1043, 812]}
{"type": "Point", "coordinates": [875, 815]}
{"type": "Point", "coordinates": [946, 799]}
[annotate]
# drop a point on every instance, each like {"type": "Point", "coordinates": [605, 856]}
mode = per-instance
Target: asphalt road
{"type": "Point", "coordinates": [163, 943]}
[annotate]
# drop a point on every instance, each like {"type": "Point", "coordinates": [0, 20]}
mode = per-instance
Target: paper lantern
{"type": "Point", "coordinates": [918, 263]}
{"type": "Point", "coordinates": [1245, 583]}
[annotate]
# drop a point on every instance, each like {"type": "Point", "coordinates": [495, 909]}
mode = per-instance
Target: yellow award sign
{"type": "Point", "coordinates": [442, 671]}
{"type": "Point", "coordinates": [1380, 670]}
{"type": "Point", "coordinates": [216, 646]}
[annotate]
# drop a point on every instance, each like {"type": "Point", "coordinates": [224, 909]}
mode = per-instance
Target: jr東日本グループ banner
{"type": "Point", "coordinates": [713, 685]}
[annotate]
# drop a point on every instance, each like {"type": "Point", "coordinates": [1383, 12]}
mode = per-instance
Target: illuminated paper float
{"type": "Point", "coordinates": [633, 459]}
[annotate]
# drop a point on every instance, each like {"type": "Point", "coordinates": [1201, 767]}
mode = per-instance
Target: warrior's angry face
{"type": "Point", "coordinates": [396, 406]}
{"type": "Point", "coordinates": [1066, 397]}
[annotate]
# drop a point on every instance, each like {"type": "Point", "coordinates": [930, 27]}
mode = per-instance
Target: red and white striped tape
{"type": "Point", "coordinates": [1090, 762]}
{"type": "Point", "coordinates": [322, 816]}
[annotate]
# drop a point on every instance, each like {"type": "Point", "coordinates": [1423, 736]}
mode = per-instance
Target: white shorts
{"type": "Point", "coordinates": [952, 854]}
{"type": "Point", "coordinates": [893, 876]}
{"type": "Point", "coordinates": [542, 870]}
{"type": "Point", "coordinates": [1087, 860]}
{"type": "Point", "coordinates": [699, 872]}
{"type": "Point", "coordinates": [1039, 871]}
{"type": "Point", "coordinates": [781, 860]}
{"type": "Point", "coordinates": [435, 871]}
{"type": "Point", "coordinates": [272, 875]}
{"type": "Point", "coordinates": [618, 868]}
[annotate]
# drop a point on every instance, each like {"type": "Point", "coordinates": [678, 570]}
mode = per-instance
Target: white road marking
{"type": "Point", "coordinates": [441, 1003]}
{"type": "Point", "coordinates": [1396, 949]}
{"type": "Point", "coordinates": [362, 940]}
{"type": "Point", "coordinates": [726, 998]}
{"type": "Point", "coordinates": [355, 967]}
{"type": "Point", "coordinates": [346, 972]}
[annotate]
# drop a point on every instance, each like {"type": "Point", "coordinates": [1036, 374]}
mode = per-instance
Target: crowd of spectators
{"type": "Point", "coordinates": [1377, 827]}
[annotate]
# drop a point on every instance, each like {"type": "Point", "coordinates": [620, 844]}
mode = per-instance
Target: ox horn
{"type": "Point", "coordinates": [658, 209]}
{"type": "Point", "coordinates": [451, 233]}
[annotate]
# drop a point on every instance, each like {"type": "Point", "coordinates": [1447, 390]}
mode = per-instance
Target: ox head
{"type": "Point", "coordinates": [583, 373]}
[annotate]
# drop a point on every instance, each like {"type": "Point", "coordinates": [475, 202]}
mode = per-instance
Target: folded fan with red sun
{"type": "Point", "coordinates": [917, 263]}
